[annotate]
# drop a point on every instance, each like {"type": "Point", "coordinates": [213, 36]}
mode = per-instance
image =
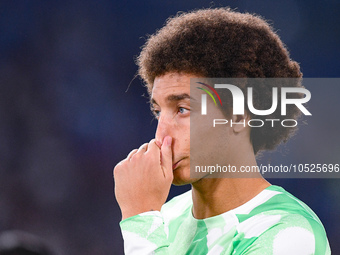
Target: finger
{"type": "Point", "coordinates": [152, 146]}
{"type": "Point", "coordinates": [143, 148]}
{"type": "Point", "coordinates": [158, 143]}
{"type": "Point", "coordinates": [154, 150]}
{"type": "Point", "coordinates": [133, 152]}
{"type": "Point", "coordinates": [166, 156]}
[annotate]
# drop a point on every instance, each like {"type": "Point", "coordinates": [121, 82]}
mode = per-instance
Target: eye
{"type": "Point", "coordinates": [183, 110]}
{"type": "Point", "coordinates": [156, 113]}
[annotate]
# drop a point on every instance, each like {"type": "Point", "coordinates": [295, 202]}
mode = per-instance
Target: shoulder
{"type": "Point", "coordinates": [283, 224]}
{"type": "Point", "coordinates": [284, 234]}
{"type": "Point", "coordinates": [275, 200]}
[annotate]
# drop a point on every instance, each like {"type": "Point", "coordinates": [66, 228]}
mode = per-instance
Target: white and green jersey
{"type": "Point", "coordinates": [273, 222]}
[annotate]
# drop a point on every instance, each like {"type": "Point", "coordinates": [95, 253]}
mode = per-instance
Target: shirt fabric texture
{"type": "Point", "coordinates": [272, 223]}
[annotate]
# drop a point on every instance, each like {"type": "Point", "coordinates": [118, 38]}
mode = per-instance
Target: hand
{"type": "Point", "coordinates": [143, 179]}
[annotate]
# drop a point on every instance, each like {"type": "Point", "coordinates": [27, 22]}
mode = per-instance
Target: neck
{"type": "Point", "coordinates": [214, 196]}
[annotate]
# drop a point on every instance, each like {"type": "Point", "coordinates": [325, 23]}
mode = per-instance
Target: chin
{"type": "Point", "coordinates": [182, 176]}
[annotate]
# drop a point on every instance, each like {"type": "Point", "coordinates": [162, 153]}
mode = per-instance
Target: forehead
{"type": "Point", "coordinates": [171, 83]}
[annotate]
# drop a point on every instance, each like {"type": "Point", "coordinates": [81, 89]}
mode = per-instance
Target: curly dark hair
{"type": "Point", "coordinates": [223, 43]}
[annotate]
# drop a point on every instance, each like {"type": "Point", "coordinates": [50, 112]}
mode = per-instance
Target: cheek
{"type": "Point", "coordinates": [181, 135]}
{"type": "Point", "coordinates": [209, 145]}
{"type": "Point", "coordinates": [182, 142]}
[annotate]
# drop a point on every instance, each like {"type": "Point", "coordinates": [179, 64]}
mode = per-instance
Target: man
{"type": "Point", "coordinates": [218, 215]}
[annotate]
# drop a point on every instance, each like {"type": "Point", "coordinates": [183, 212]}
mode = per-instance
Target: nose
{"type": "Point", "coordinates": [164, 128]}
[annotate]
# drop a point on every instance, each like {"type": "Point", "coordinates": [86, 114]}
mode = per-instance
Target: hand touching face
{"type": "Point", "coordinates": [143, 179]}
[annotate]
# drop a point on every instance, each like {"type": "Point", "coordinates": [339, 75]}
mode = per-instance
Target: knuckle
{"type": "Point", "coordinates": [135, 156]}
{"type": "Point", "coordinates": [153, 146]}
{"type": "Point", "coordinates": [133, 151]}
{"type": "Point", "coordinates": [143, 146]}
{"type": "Point", "coordinates": [118, 168]}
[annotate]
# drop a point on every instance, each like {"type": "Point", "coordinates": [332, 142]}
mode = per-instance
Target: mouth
{"type": "Point", "coordinates": [174, 166]}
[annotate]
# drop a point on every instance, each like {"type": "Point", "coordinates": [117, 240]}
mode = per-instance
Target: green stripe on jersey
{"type": "Point", "coordinates": [273, 222]}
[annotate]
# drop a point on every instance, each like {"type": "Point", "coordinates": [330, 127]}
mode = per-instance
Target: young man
{"type": "Point", "coordinates": [218, 215]}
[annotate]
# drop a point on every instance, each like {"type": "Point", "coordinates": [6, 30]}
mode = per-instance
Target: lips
{"type": "Point", "coordinates": [174, 166]}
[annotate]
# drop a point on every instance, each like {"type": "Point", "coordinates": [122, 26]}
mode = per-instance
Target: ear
{"type": "Point", "coordinates": [240, 122]}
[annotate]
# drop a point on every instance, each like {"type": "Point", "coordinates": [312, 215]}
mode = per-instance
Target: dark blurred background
{"type": "Point", "coordinates": [66, 118]}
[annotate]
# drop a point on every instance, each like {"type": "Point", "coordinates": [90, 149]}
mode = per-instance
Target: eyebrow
{"type": "Point", "coordinates": [174, 98]}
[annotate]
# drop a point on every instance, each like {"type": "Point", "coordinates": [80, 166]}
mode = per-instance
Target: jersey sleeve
{"type": "Point", "coordinates": [145, 234]}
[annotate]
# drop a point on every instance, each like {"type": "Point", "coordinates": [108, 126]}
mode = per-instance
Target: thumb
{"type": "Point", "coordinates": [166, 154]}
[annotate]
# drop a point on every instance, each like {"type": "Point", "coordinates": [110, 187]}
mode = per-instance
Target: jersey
{"type": "Point", "coordinates": [273, 222]}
